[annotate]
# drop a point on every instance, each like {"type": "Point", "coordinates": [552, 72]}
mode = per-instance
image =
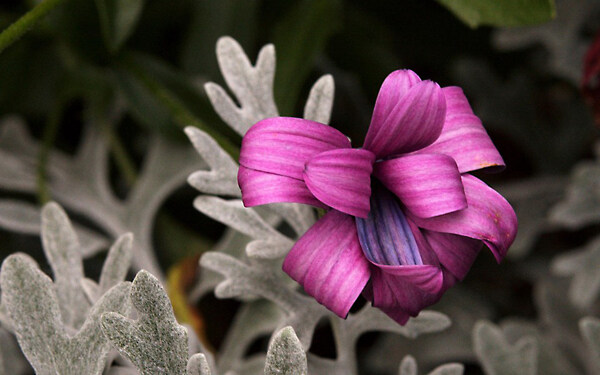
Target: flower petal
{"type": "Point", "coordinates": [463, 136]}
{"type": "Point", "coordinates": [385, 235]}
{"type": "Point", "coordinates": [328, 262]}
{"type": "Point", "coordinates": [427, 184]}
{"type": "Point", "coordinates": [456, 253]}
{"type": "Point", "coordinates": [282, 145]}
{"type": "Point", "coordinates": [400, 287]}
{"type": "Point", "coordinates": [263, 188]}
{"type": "Point", "coordinates": [342, 179]}
{"type": "Point", "coordinates": [488, 217]}
{"type": "Point", "coordinates": [399, 315]}
{"type": "Point", "coordinates": [401, 291]}
{"type": "Point", "coordinates": [394, 87]}
{"type": "Point", "coordinates": [414, 122]}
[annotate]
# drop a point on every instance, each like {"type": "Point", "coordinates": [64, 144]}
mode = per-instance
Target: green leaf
{"type": "Point", "coordinates": [299, 37]}
{"type": "Point", "coordinates": [501, 13]}
{"type": "Point", "coordinates": [118, 19]}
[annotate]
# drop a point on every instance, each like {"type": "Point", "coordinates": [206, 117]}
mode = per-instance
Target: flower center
{"type": "Point", "coordinates": [385, 235]}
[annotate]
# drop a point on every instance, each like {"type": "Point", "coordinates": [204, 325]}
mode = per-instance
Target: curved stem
{"type": "Point", "coordinates": [26, 22]}
{"type": "Point", "coordinates": [48, 138]}
{"type": "Point", "coordinates": [121, 157]}
{"type": "Point", "coordinates": [181, 115]}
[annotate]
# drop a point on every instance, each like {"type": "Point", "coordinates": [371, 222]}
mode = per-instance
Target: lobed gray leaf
{"type": "Point", "coordinates": [371, 319]}
{"type": "Point", "coordinates": [155, 343]}
{"type": "Point", "coordinates": [299, 216]}
{"type": "Point", "coordinates": [581, 205]}
{"type": "Point", "coordinates": [590, 330]}
{"type": "Point", "coordinates": [498, 357]}
{"type": "Point", "coordinates": [81, 184]}
{"type": "Point", "coordinates": [251, 85]}
{"type": "Point", "coordinates": [122, 370]}
{"type": "Point", "coordinates": [166, 168]}
{"type": "Point", "coordinates": [24, 217]}
{"type": "Point", "coordinates": [265, 318]}
{"type": "Point", "coordinates": [32, 303]}
{"type": "Point", "coordinates": [285, 355]}
{"type": "Point", "coordinates": [221, 178]}
{"type": "Point", "coordinates": [232, 242]}
{"type": "Point", "coordinates": [551, 359]}
{"type": "Point", "coordinates": [271, 248]}
{"type": "Point", "coordinates": [195, 347]}
{"type": "Point", "coordinates": [61, 247]}
{"type": "Point", "coordinates": [582, 265]}
{"type": "Point", "coordinates": [449, 369]}
{"type": "Point", "coordinates": [247, 221]}
{"type": "Point", "coordinates": [408, 366]}
{"type": "Point", "coordinates": [29, 298]}
{"type": "Point", "coordinates": [91, 289]}
{"type": "Point", "coordinates": [320, 100]}
{"type": "Point", "coordinates": [197, 365]}
{"type": "Point", "coordinates": [18, 155]}
{"type": "Point", "coordinates": [302, 312]}
{"type": "Point", "coordinates": [117, 263]}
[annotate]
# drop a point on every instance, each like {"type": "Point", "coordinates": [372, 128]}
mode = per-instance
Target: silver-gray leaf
{"type": "Point", "coordinates": [320, 100]}
{"type": "Point", "coordinates": [285, 355]}
{"type": "Point", "coordinates": [498, 357]}
{"type": "Point", "coordinates": [61, 247]}
{"type": "Point", "coordinates": [221, 178]}
{"type": "Point", "coordinates": [117, 263]}
{"type": "Point", "coordinates": [155, 343]}
{"type": "Point", "coordinates": [252, 86]}
{"type": "Point", "coordinates": [408, 366]}
{"type": "Point", "coordinates": [590, 330]}
{"type": "Point", "coordinates": [197, 365]}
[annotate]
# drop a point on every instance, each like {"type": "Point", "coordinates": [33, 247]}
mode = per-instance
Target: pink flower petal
{"type": "Point", "coordinates": [400, 288]}
{"type": "Point", "coordinates": [397, 314]}
{"type": "Point", "coordinates": [414, 122]}
{"type": "Point", "coordinates": [282, 145]}
{"type": "Point", "coordinates": [427, 184]}
{"type": "Point", "coordinates": [403, 291]}
{"type": "Point", "coordinates": [456, 253]}
{"type": "Point", "coordinates": [328, 262]}
{"type": "Point", "coordinates": [488, 217]}
{"type": "Point", "coordinates": [263, 188]}
{"type": "Point", "coordinates": [463, 137]}
{"type": "Point", "coordinates": [393, 88]}
{"type": "Point", "coordinates": [342, 179]}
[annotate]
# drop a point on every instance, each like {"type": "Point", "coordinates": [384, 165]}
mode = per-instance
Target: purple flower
{"type": "Point", "coordinates": [405, 220]}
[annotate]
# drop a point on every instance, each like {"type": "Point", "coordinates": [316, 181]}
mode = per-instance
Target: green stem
{"type": "Point", "coordinates": [48, 138]}
{"type": "Point", "coordinates": [120, 155]}
{"type": "Point", "coordinates": [26, 22]}
{"type": "Point", "coordinates": [182, 116]}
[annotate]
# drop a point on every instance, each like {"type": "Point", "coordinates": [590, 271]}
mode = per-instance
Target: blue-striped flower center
{"type": "Point", "coordinates": [385, 235]}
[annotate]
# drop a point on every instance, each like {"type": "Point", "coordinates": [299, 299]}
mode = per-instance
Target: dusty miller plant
{"type": "Point", "coordinates": [73, 324]}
